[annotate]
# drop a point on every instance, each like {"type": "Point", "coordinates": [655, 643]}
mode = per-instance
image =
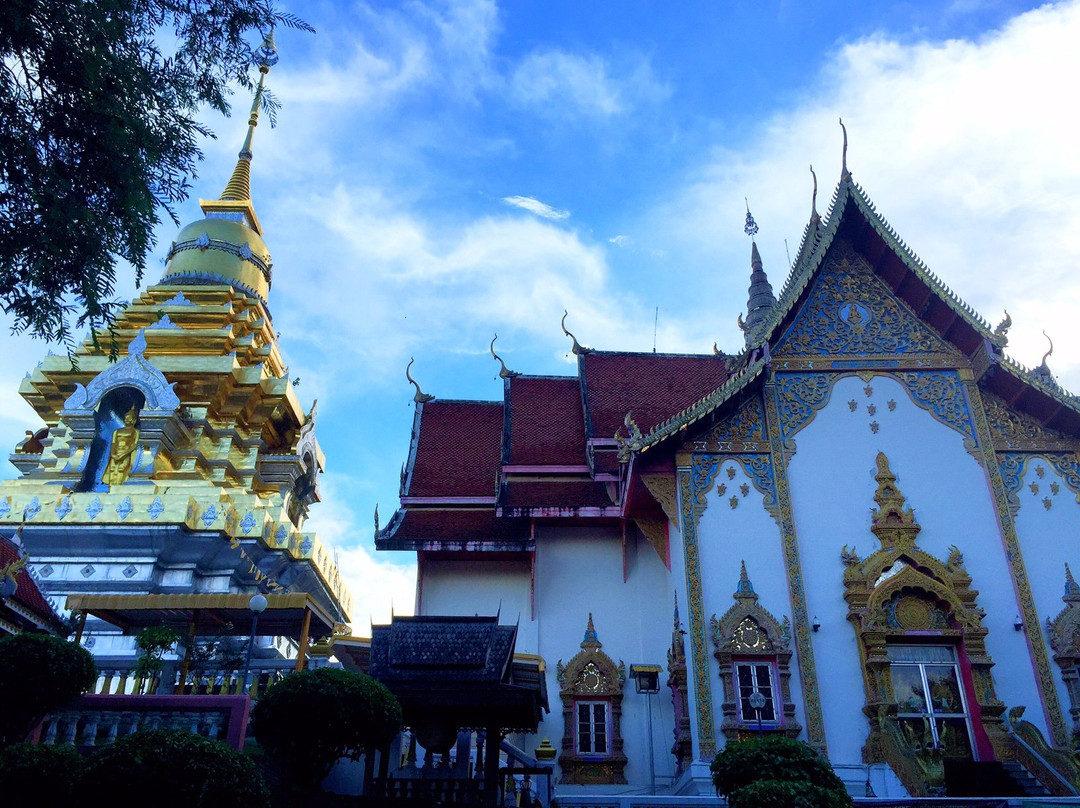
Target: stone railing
{"type": "Point", "coordinates": [119, 679]}
{"type": "Point", "coordinates": [97, 720]}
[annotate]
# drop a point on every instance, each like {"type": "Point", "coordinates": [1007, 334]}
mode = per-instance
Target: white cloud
{"type": "Point", "coordinates": [558, 82]}
{"type": "Point", "coordinates": [620, 241]}
{"type": "Point", "coordinates": [537, 207]}
{"type": "Point", "coordinates": [967, 148]}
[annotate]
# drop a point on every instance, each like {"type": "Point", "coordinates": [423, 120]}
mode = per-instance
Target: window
{"type": "Point", "coordinates": [930, 700]}
{"type": "Point", "coordinates": [592, 727]}
{"type": "Point", "coordinates": [751, 678]}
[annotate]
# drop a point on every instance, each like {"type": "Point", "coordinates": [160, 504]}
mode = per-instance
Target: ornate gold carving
{"type": "Point", "coordinates": [1047, 764]}
{"type": "Point", "coordinates": [592, 674]}
{"type": "Point", "coordinates": [831, 323]}
{"type": "Point", "coordinates": [1044, 679]}
{"type": "Point", "coordinates": [742, 431]}
{"type": "Point", "coordinates": [1011, 430]}
{"type": "Point", "coordinates": [655, 532]}
{"type": "Point", "coordinates": [748, 631]}
{"type": "Point", "coordinates": [1064, 633]}
{"type": "Point", "coordinates": [698, 652]}
{"type": "Point", "coordinates": [683, 748]}
{"type": "Point", "coordinates": [662, 487]}
{"type": "Point", "coordinates": [815, 722]}
{"type": "Point", "coordinates": [900, 589]}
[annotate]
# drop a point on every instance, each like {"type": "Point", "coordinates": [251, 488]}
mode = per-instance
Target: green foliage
{"type": "Point", "coordinates": [39, 673]}
{"type": "Point", "coordinates": [98, 100]}
{"type": "Point", "coordinates": [309, 719]}
{"type": "Point", "coordinates": [154, 642]}
{"type": "Point", "coordinates": [776, 772]}
{"type": "Point", "coordinates": [50, 773]}
{"type": "Point", "coordinates": [171, 768]}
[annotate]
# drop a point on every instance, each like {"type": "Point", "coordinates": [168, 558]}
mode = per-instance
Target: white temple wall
{"type": "Point", "coordinates": [481, 586]}
{"type": "Point", "coordinates": [736, 527]}
{"type": "Point", "coordinates": [832, 488]}
{"type": "Point", "coordinates": [1047, 542]}
{"type": "Point", "coordinates": [579, 571]}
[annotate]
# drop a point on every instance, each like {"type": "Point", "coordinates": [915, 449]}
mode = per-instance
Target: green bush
{"type": "Point", "coordinates": [776, 772]}
{"type": "Point", "coordinates": [309, 719]}
{"type": "Point", "coordinates": [39, 673]}
{"type": "Point", "coordinates": [171, 768]}
{"type": "Point", "coordinates": [48, 774]}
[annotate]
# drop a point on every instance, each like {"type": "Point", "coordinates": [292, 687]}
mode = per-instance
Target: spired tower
{"type": "Point", "coordinates": [189, 465]}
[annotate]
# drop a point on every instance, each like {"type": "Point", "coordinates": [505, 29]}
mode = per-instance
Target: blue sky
{"type": "Point", "coordinates": [442, 171]}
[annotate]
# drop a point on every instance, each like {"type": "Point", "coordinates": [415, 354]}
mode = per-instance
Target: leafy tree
{"type": "Point", "coordinates": [49, 773]}
{"type": "Point", "coordinates": [776, 772]}
{"type": "Point", "coordinates": [39, 673]}
{"type": "Point", "coordinates": [172, 768]}
{"type": "Point", "coordinates": [154, 642]}
{"type": "Point", "coordinates": [309, 719]}
{"type": "Point", "coordinates": [98, 100]}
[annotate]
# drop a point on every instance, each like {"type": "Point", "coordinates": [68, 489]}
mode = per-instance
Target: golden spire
{"type": "Point", "coordinates": [421, 397]}
{"type": "Point", "coordinates": [239, 186]}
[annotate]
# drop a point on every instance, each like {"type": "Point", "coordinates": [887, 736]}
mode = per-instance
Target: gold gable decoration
{"type": "Point", "coordinates": [900, 589]}
{"type": "Point", "coordinates": [592, 675]}
{"type": "Point", "coordinates": [748, 632]}
{"type": "Point", "coordinates": [1064, 633]}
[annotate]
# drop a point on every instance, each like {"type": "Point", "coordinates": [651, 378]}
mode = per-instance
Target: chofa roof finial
{"type": "Point", "coordinates": [421, 397]}
{"type": "Point", "coordinates": [578, 348]}
{"type": "Point", "coordinates": [845, 175]}
{"type": "Point", "coordinates": [504, 373]}
{"type": "Point", "coordinates": [814, 217]}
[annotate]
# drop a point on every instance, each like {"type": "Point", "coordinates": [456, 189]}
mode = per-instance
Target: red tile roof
{"type": "Point", "coordinates": [653, 387]}
{"type": "Point", "coordinates": [547, 424]}
{"type": "Point", "coordinates": [26, 592]}
{"type": "Point", "coordinates": [560, 494]}
{"type": "Point", "coordinates": [418, 526]}
{"type": "Point", "coordinates": [458, 450]}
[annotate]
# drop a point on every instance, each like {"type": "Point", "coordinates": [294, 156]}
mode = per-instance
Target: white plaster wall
{"type": "Point", "coordinates": [734, 528]}
{"type": "Point", "coordinates": [832, 484]}
{"type": "Point", "coordinates": [481, 587]}
{"type": "Point", "coordinates": [1048, 542]}
{"type": "Point", "coordinates": [579, 571]}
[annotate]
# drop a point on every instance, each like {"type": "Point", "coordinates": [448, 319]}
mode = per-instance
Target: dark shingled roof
{"type": "Point", "coordinates": [653, 387]}
{"type": "Point", "coordinates": [412, 527]}
{"type": "Point", "coordinates": [547, 424]}
{"type": "Point", "coordinates": [556, 494]}
{"type": "Point", "coordinates": [458, 450]}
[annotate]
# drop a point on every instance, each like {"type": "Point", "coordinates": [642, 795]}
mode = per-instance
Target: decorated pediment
{"type": "Point", "coordinates": [851, 312]}
{"type": "Point", "coordinates": [591, 672]}
{"type": "Point", "coordinates": [746, 628]}
{"type": "Point", "coordinates": [132, 371]}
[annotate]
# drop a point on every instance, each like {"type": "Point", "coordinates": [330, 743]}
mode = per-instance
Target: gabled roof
{"type": "Point", "coordinates": [650, 386]}
{"type": "Point", "coordinates": [545, 425]}
{"type": "Point", "coordinates": [897, 265]}
{"type": "Point", "coordinates": [456, 447]}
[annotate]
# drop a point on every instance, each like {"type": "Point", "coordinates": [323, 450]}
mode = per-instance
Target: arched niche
{"type": "Point", "coordinates": [109, 416]}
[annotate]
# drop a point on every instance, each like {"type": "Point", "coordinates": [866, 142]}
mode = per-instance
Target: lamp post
{"type": "Point", "coordinates": [257, 604]}
{"type": "Point", "coordinates": [647, 682]}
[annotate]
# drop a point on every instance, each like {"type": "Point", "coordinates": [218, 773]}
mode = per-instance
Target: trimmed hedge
{"type": "Point", "coordinates": [776, 772]}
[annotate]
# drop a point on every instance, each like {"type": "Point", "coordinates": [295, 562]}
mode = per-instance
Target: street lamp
{"type": "Point", "coordinates": [257, 604]}
{"type": "Point", "coordinates": [647, 681]}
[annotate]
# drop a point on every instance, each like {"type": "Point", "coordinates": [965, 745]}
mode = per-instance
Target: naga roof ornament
{"type": "Point", "coordinates": [421, 397]}
{"type": "Point", "coordinates": [504, 372]}
{"type": "Point", "coordinates": [1001, 331]}
{"type": "Point", "coordinates": [815, 218]}
{"type": "Point", "coordinates": [1042, 372]}
{"type": "Point", "coordinates": [578, 348]}
{"type": "Point", "coordinates": [845, 175]}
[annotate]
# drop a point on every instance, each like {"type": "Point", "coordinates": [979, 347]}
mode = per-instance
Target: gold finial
{"type": "Point", "coordinates": [845, 175]}
{"type": "Point", "coordinates": [238, 187]}
{"type": "Point", "coordinates": [421, 397]}
{"type": "Point", "coordinates": [1047, 354]}
{"type": "Point", "coordinates": [1001, 331]}
{"type": "Point", "coordinates": [376, 520]}
{"type": "Point", "coordinates": [578, 348]}
{"type": "Point", "coordinates": [893, 522]}
{"type": "Point", "coordinates": [740, 323]}
{"type": "Point", "coordinates": [745, 590]}
{"type": "Point", "coordinates": [814, 217]}
{"type": "Point", "coordinates": [1072, 591]}
{"type": "Point", "coordinates": [716, 350]}
{"type": "Point", "coordinates": [504, 373]}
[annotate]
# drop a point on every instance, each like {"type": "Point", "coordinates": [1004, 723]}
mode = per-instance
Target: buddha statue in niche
{"type": "Point", "coordinates": [125, 442]}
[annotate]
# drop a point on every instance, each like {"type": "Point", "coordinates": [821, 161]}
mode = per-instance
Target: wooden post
{"type": "Point", "coordinates": [79, 626]}
{"type": "Point", "coordinates": [491, 767]}
{"type": "Point", "coordinates": [305, 630]}
{"type": "Point", "coordinates": [187, 654]}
